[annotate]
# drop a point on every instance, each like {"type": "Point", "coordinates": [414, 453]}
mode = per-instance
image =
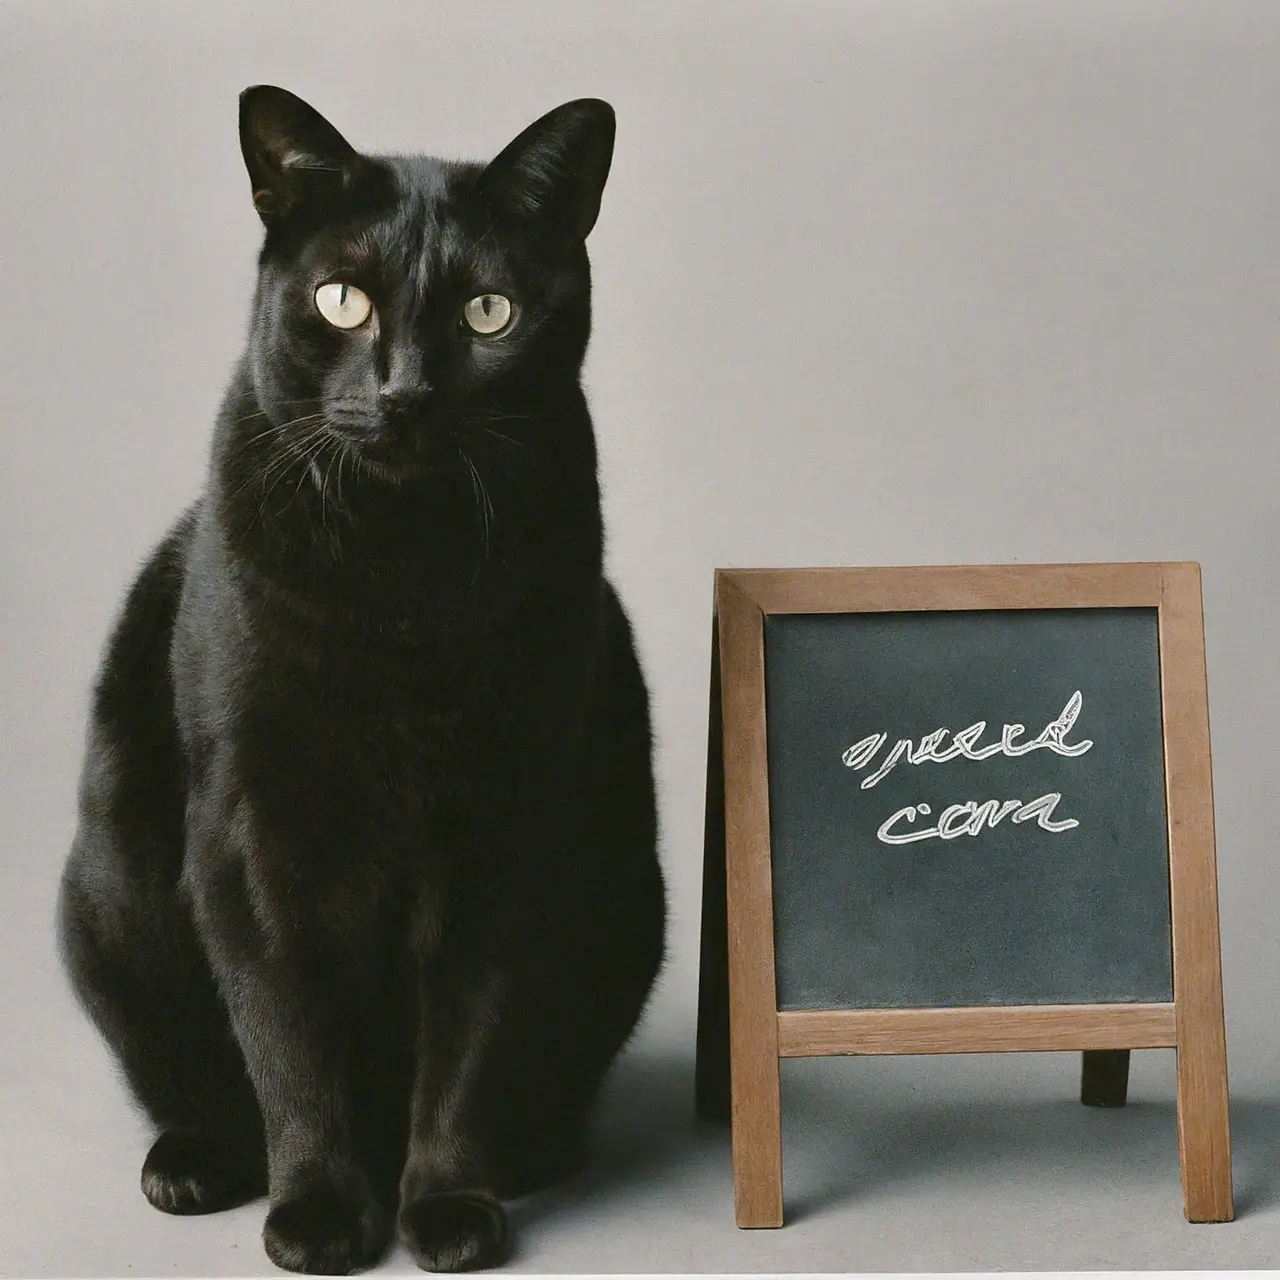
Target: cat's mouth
{"type": "Point", "coordinates": [393, 455]}
{"type": "Point", "coordinates": [393, 470]}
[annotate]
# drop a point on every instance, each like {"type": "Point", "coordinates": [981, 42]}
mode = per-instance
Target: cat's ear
{"type": "Point", "coordinates": [554, 173]}
{"type": "Point", "coordinates": [295, 157]}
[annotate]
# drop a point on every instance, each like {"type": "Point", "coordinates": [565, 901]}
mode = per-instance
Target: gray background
{"type": "Point", "coordinates": [1017, 914]}
{"type": "Point", "coordinates": [878, 282]}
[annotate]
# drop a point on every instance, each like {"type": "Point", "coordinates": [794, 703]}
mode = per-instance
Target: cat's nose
{"type": "Point", "coordinates": [398, 402]}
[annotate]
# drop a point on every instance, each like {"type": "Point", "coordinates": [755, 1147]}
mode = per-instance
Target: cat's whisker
{"type": "Point", "coordinates": [344, 452]}
{"type": "Point", "coordinates": [300, 450]}
{"type": "Point", "coordinates": [324, 494]}
{"type": "Point", "coordinates": [498, 435]}
{"type": "Point", "coordinates": [488, 503]}
{"type": "Point", "coordinates": [314, 416]}
{"type": "Point", "coordinates": [309, 468]}
{"type": "Point", "coordinates": [258, 476]}
{"type": "Point", "coordinates": [317, 442]}
{"type": "Point", "coordinates": [284, 459]}
{"type": "Point", "coordinates": [262, 413]}
{"type": "Point", "coordinates": [481, 416]}
{"type": "Point", "coordinates": [280, 428]}
{"type": "Point", "coordinates": [481, 494]}
{"type": "Point", "coordinates": [280, 464]}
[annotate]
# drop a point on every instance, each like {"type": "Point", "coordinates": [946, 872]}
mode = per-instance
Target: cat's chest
{"type": "Point", "coordinates": [391, 726]}
{"type": "Point", "coordinates": [362, 708]}
{"type": "Point", "coordinates": [399, 715]}
{"type": "Point", "coordinates": [356, 771]}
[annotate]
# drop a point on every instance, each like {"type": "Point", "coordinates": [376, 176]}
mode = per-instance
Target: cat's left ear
{"type": "Point", "coordinates": [295, 157]}
{"type": "Point", "coordinates": [553, 174]}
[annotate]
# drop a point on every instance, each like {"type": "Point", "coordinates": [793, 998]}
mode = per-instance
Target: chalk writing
{"type": "Point", "coordinates": [1052, 736]}
{"type": "Point", "coordinates": [969, 818]}
{"type": "Point", "coordinates": [972, 816]}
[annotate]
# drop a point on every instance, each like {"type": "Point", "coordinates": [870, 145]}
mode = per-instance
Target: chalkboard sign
{"type": "Point", "coordinates": [960, 809]}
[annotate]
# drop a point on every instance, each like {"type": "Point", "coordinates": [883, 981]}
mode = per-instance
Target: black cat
{"type": "Point", "coordinates": [365, 894]}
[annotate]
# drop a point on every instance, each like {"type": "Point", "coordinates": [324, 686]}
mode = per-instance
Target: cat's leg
{"type": "Point", "coordinates": [291, 1000]}
{"type": "Point", "coordinates": [127, 937]}
{"type": "Point", "coordinates": [450, 1215]}
{"type": "Point", "coordinates": [509, 1064]}
{"type": "Point", "coordinates": [507, 1070]}
{"type": "Point", "coordinates": [597, 945]}
{"type": "Point", "coordinates": [138, 973]}
{"type": "Point", "coordinates": [539, 983]}
{"type": "Point", "coordinates": [595, 962]}
{"type": "Point", "coordinates": [551, 1066]}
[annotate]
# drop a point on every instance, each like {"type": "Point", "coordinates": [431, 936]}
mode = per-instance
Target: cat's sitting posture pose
{"type": "Point", "coordinates": [365, 896]}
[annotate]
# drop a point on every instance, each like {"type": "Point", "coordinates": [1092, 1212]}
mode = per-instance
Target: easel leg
{"type": "Point", "coordinates": [753, 1008]}
{"type": "Point", "coordinates": [711, 1076]}
{"type": "Point", "coordinates": [757, 1137]}
{"type": "Point", "coordinates": [711, 1073]}
{"type": "Point", "coordinates": [1104, 1077]}
{"type": "Point", "coordinates": [1204, 1135]}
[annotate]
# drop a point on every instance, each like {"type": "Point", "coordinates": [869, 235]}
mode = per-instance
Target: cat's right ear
{"type": "Point", "coordinates": [295, 157]}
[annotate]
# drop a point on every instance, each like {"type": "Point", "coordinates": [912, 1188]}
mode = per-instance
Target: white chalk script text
{"type": "Point", "coordinates": [970, 817]}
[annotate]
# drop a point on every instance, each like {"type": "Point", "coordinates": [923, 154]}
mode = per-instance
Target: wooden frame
{"type": "Point", "coordinates": [741, 1033]}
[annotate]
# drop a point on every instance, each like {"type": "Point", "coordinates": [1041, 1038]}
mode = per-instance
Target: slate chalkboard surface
{"type": "Point", "coordinates": [1064, 901]}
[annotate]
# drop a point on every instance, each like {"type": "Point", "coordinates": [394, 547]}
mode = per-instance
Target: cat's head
{"type": "Point", "coordinates": [406, 305]}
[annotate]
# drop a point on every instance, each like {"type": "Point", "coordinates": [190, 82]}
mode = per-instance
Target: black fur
{"type": "Point", "coordinates": [365, 895]}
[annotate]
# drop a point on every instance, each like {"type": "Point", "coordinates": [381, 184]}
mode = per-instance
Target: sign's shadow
{"type": "Point", "coordinates": [847, 1144]}
{"type": "Point", "coordinates": [847, 1149]}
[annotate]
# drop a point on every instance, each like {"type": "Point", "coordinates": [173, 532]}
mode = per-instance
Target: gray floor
{"type": "Point", "coordinates": [941, 1164]}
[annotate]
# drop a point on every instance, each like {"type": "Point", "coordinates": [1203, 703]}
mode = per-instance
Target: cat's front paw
{"type": "Point", "coordinates": [327, 1231]}
{"type": "Point", "coordinates": [455, 1231]}
{"type": "Point", "coordinates": [188, 1173]}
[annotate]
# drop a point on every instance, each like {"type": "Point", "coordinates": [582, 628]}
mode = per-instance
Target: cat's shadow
{"type": "Point", "coordinates": [844, 1144]}
{"type": "Point", "coordinates": [645, 1131]}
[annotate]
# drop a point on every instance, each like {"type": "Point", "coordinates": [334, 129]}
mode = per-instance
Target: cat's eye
{"type": "Point", "coordinates": [343, 305]}
{"type": "Point", "coordinates": [489, 313]}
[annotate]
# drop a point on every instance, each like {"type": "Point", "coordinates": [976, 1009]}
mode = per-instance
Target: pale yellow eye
{"type": "Point", "coordinates": [488, 313]}
{"type": "Point", "coordinates": [343, 305]}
